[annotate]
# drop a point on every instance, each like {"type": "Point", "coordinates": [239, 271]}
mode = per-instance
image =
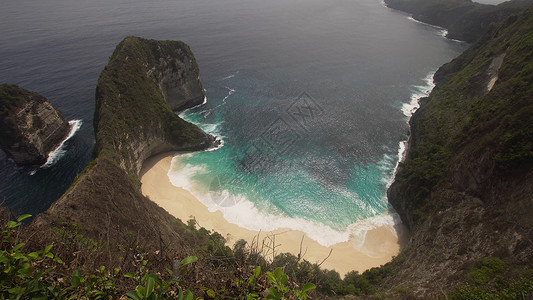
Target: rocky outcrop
{"type": "Point", "coordinates": [467, 182]}
{"type": "Point", "coordinates": [144, 81]}
{"type": "Point", "coordinates": [465, 20]}
{"type": "Point", "coordinates": [30, 127]}
{"type": "Point", "coordinates": [133, 121]}
{"type": "Point", "coordinates": [178, 80]}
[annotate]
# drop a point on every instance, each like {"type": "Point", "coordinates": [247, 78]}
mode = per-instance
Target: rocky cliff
{"type": "Point", "coordinates": [133, 121]}
{"type": "Point", "coordinates": [465, 189]}
{"type": "Point", "coordinates": [30, 127]}
{"type": "Point", "coordinates": [465, 20]}
{"type": "Point", "coordinates": [144, 81]}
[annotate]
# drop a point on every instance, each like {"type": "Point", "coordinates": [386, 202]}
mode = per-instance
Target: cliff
{"type": "Point", "coordinates": [133, 121]}
{"type": "Point", "coordinates": [30, 127]}
{"type": "Point", "coordinates": [465, 20]}
{"type": "Point", "coordinates": [465, 189]}
{"type": "Point", "coordinates": [144, 81]}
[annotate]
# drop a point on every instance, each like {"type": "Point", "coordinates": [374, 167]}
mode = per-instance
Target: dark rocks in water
{"type": "Point", "coordinates": [30, 127]}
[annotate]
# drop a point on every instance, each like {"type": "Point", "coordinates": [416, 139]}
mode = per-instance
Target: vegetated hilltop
{"type": "Point", "coordinates": [30, 127]}
{"type": "Point", "coordinates": [132, 122]}
{"type": "Point", "coordinates": [465, 20]}
{"type": "Point", "coordinates": [465, 189]}
{"type": "Point", "coordinates": [144, 81]}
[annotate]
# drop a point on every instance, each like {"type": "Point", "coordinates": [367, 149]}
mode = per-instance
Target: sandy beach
{"type": "Point", "coordinates": [381, 243]}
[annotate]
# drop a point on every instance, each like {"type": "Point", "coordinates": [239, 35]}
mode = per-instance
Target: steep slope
{"type": "Point", "coordinates": [466, 187]}
{"type": "Point", "coordinates": [30, 127]}
{"type": "Point", "coordinates": [132, 122]}
{"type": "Point", "coordinates": [135, 94]}
{"type": "Point", "coordinates": [465, 20]}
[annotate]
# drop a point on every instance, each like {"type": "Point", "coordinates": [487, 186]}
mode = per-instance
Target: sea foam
{"type": "Point", "coordinates": [239, 210]}
{"type": "Point", "coordinates": [56, 155]}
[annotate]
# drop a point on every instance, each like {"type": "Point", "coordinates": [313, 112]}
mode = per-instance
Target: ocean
{"type": "Point", "coordinates": [311, 99]}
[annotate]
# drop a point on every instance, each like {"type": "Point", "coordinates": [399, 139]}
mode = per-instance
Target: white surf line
{"type": "Point", "coordinates": [229, 76]}
{"type": "Point", "coordinates": [408, 110]}
{"type": "Point", "coordinates": [443, 31]}
{"type": "Point", "coordinates": [58, 152]}
{"type": "Point", "coordinates": [209, 111]}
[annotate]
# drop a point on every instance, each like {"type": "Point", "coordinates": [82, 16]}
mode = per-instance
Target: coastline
{"type": "Point", "coordinates": [381, 244]}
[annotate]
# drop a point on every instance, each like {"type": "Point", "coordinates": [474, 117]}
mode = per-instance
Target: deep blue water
{"type": "Point", "coordinates": [306, 94]}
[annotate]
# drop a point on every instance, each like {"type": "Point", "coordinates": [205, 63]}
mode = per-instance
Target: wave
{"type": "Point", "coordinates": [441, 31]}
{"type": "Point", "coordinates": [408, 109]}
{"type": "Point", "coordinates": [229, 76]}
{"type": "Point", "coordinates": [60, 151]}
{"type": "Point", "coordinates": [198, 105]}
{"type": "Point", "coordinates": [213, 129]}
{"type": "Point", "coordinates": [239, 210]}
{"type": "Point", "coordinates": [207, 112]}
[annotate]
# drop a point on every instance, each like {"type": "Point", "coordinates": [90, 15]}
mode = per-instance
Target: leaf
{"type": "Point", "coordinates": [277, 273]}
{"type": "Point", "coordinates": [308, 286]}
{"type": "Point", "coordinates": [17, 247]}
{"type": "Point", "coordinates": [284, 279]}
{"type": "Point", "coordinates": [23, 217]}
{"type": "Point", "coordinates": [12, 224]}
{"type": "Point", "coordinates": [274, 293]}
{"type": "Point", "coordinates": [257, 271]}
{"type": "Point", "coordinates": [133, 295]}
{"type": "Point", "coordinates": [48, 248]}
{"type": "Point", "coordinates": [149, 287]}
{"type": "Point", "coordinates": [76, 278]}
{"type": "Point", "coordinates": [129, 275]}
{"type": "Point", "coordinates": [188, 260]}
{"type": "Point", "coordinates": [211, 293]}
{"type": "Point", "coordinates": [140, 290]}
{"type": "Point", "coordinates": [189, 295]}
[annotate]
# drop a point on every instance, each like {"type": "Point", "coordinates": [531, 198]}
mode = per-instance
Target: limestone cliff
{"type": "Point", "coordinates": [135, 97]}
{"type": "Point", "coordinates": [465, 189]}
{"type": "Point", "coordinates": [132, 122]}
{"type": "Point", "coordinates": [465, 20]}
{"type": "Point", "coordinates": [30, 127]}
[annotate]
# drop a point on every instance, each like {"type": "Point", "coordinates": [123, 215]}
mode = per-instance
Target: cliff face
{"type": "Point", "coordinates": [30, 128]}
{"type": "Point", "coordinates": [135, 97]}
{"type": "Point", "coordinates": [132, 122]}
{"type": "Point", "coordinates": [465, 20]}
{"type": "Point", "coordinates": [465, 189]}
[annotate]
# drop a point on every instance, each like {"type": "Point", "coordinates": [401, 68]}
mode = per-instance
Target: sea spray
{"type": "Point", "coordinates": [55, 155]}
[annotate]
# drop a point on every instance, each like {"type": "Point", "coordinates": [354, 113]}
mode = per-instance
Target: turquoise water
{"type": "Point", "coordinates": [295, 181]}
{"type": "Point", "coordinates": [311, 98]}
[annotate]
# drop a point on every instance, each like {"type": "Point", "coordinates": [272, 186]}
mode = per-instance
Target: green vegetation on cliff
{"type": "Point", "coordinates": [132, 118]}
{"type": "Point", "coordinates": [467, 180]}
{"type": "Point", "coordinates": [10, 98]}
{"type": "Point", "coordinates": [462, 117]}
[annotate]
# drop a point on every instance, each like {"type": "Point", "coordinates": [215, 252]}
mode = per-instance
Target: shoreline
{"type": "Point", "coordinates": [381, 244]}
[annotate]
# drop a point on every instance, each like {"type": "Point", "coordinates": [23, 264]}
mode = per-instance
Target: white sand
{"type": "Point", "coordinates": [381, 244]}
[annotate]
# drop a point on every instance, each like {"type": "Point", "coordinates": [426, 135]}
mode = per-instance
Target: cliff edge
{"type": "Point", "coordinates": [465, 189]}
{"type": "Point", "coordinates": [30, 127]}
{"type": "Point", "coordinates": [133, 121]}
{"type": "Point", "coordinates": [144, 81]}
